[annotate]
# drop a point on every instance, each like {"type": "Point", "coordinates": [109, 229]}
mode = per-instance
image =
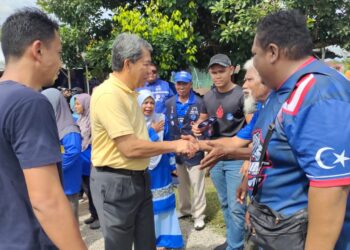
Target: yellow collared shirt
{"type": "Point", "coordinates": [114, 112]}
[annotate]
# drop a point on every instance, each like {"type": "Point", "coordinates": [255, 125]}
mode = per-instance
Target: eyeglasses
{"type": "Point", "coordinates": [154, 71]}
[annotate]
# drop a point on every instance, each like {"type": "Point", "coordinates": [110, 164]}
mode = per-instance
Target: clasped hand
{"type": "Point", "coordinates": [187, 145]}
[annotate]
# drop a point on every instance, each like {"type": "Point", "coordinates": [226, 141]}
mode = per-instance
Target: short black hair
{"type": "Point", "coordinates": [287, 29]}
{"type": "Point", "coordinates": [24, 27]}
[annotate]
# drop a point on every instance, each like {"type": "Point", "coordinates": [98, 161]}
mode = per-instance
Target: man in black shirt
{"type": "Point", "coordinates": [225, 102]}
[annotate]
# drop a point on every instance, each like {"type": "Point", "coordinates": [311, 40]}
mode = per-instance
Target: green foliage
{"type": "Point", "coordinates": [184, 32]}
{"type": "Point", "coordinates": [236, 23]}
{"type": "Point", "coordinates": [329, 20]}
{"type": "Point", "coordinates": [99, 57]}
{"type": "Point", "coordinates": [81, 22]}
{"type": "Point", "coordinates": [71, 40]}
{"type": "Point", "coordinates": [224, 26]}
{"type": "Point", "coordinates": [171, 36]}
{"type": "Point", "coordinates": [78, 13]}
{"type": "Point", "coordinates": [199, 14]}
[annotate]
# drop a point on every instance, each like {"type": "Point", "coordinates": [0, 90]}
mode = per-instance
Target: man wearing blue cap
{"type": "Point", "coordinates": [183, 110]}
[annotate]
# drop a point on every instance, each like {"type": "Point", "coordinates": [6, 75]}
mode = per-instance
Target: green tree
{"type": "Point", "coordinates": [172, 37]}
{"type": "Point", "coordinates": [81, 21]}
{"type": "Point", "coordinates": [328, 19]}
{"type": "Point", "coordinates": [224, 26]}
{"type": "Point", "coordinates": [185, 32]}
{"type": "Point", "coordinates": [87, 27]}
{"type": "Point", "coordinates": [236, 23]}
{"type": "Point", "coordinates": [229, 25]}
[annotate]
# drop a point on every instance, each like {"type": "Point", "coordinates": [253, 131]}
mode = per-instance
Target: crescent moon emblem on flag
{"type": "Point", "coordinates": [318, 158]}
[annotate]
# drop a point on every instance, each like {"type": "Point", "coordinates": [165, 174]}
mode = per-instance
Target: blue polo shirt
{"type": "Point", "coordinates": [28, 139]}
{"type": "Point", "coordinates": [182, 108]}
{"type": "Point", "coordinates": [161, 91]}
{"type": "Point", "coordinates": [247, 132]}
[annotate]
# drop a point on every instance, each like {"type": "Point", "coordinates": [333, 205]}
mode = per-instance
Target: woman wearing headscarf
{"type": "Point", "coordinates": [70, 140]}
{"type": "Point", "coordinates": [167, 228]}
{"type": "Point", "coordinates": [82, 107]}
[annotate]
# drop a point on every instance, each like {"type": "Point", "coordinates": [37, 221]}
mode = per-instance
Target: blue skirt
{"type": "Point", "coordinates": [167, 227]}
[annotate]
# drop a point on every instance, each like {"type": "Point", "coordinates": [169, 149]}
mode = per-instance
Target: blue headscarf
{"type": "Point", "coordinates": [72, 107]}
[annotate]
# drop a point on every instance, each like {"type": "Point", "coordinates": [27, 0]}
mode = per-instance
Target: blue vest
{"type": "Point", "coordinates": [175, 131]}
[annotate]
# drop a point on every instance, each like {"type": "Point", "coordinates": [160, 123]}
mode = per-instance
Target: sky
{"type": "Point", "coordinates": [7, 7]}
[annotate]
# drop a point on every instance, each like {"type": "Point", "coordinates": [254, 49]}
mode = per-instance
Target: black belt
{"type": "Point", "coordinates": [121, 171]}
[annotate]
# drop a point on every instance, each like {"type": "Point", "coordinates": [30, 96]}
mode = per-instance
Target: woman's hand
{"type": "Point", "coordinates": [158, 126]}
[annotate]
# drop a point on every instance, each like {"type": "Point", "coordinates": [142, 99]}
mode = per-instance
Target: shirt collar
{"type": "Point", "coordinates": [289, 83]}
{"type": "Point", "coordinates": [118, 83]}
{"type": "Point", "coordinates": [191, 98]}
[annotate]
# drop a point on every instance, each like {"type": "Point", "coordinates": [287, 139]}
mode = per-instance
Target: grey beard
{"type": "Point", "coordinates": [249, 104]}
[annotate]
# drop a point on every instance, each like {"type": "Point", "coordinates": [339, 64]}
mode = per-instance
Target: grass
{"type": "Point", "coordinates": [213, 213]}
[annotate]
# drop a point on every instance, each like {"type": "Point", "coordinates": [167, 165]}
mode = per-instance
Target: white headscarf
{"type": "Point", "coordinates": [143, 95]}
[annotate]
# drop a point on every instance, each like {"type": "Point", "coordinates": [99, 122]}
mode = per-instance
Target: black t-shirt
{"type": "Point", "coordinates": [28, 139]}
{"type": "Point", "coordinates": [228, 108]}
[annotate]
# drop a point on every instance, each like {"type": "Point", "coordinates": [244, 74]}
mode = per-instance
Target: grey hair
{"type": "Point", "coordinates": [249, 64]}
{"type": "Point", "coordinates": [127, 46]}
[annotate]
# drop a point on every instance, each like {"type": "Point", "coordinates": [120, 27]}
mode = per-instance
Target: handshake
{"type": "Point", "coordinates": [187, 145]}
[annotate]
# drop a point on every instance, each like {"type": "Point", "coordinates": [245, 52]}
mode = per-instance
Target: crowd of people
{"type": "Point", "coordinates": [280, 139]}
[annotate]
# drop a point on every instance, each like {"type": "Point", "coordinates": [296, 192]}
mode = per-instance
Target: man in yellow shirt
{"type": "Point", "coordinates": [121, 149]}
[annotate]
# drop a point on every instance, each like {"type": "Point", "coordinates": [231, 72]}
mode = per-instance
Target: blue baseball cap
{"type": "Point", "coordinates": [183, 76]}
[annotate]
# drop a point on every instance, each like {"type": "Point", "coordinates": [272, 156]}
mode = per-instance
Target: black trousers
{"type": "Point", "coordinates": [124, 205]}
{"type": "Point", "coordinates": [87, 190]}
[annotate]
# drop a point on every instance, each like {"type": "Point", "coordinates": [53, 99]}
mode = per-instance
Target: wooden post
{"type": "Point", "coordinates": [69, 79]}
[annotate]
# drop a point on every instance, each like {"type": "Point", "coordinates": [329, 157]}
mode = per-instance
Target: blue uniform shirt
{"type": "Point", "coordinates": [71, 163]}
{"type": "Point", "coordinates": [246, 132]}
{"type": "Point", "coordinates": [161, 91]}
{"type": "Point", "coordinates": [86, 160]}
{"type": "Point", "coordinates": [182, 108]}
{"type": "Point", "coordinates": [310, 143]}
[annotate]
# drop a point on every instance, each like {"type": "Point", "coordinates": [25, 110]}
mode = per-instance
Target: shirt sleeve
{"type": "Point", "coordinates": [246, 132]}
{"type": "Point", "coordinates": [204, 108]}
{"type": "Point", "coordinates": [153, 134]}
{"type": "Point", "coordinates": [35, 137]}
{"type": "Point", "coordinates": [112, 114]}
{"type": "Point", "coordinates": [319, 136]}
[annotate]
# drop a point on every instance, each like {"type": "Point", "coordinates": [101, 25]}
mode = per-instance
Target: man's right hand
{"type": "Point", "coordinates": [245, 167]}
{"type": "Point", "coordinates": [187, 147]}
{"type": "Point", "coordinates": [242, 190]}
{"type": "Point", "coordinates": [216, 154]}
{"type": "Point", "coordinates": [195, 130]}
{"type": "Point", "coordinates": [247, 221]}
